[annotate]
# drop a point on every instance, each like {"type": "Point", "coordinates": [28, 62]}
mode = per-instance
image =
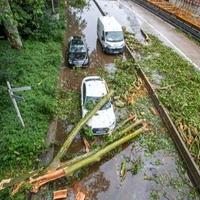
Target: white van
{"type": "Point", "coordinates": [110, 35]}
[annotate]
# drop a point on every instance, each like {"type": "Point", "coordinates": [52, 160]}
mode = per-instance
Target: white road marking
{"type": "Point", "coordinates": [164, 37]}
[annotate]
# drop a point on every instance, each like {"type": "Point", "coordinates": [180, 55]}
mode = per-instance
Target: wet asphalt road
{"type": "Point", "coordinates": [152, 24]}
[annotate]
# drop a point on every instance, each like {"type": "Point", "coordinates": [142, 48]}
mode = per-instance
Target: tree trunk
{"type": "Point", "coordinates": [76, 130]}
{"type": "Point", "coordinates": [69, 170]}
{"type": "Point", "coordinates": [10, 24]}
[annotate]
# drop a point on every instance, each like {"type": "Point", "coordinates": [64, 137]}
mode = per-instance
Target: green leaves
{"type": "Point", "coordinates": [179, 87]}
{"type": "Point", "coordinates": [77, 3]}
{"type": "Point", "coordinates": [35, 65]}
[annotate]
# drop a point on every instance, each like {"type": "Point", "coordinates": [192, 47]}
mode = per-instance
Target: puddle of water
{"type": "Point", "coordinates": [84, 23]}
{"type": "Point", "coordinates": [105, 183]}
{"type": "Point", "coordinates": [61, 135]}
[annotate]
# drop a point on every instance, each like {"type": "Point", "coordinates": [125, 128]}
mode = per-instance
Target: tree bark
{"type": "Point", "coordinates": [10, 24]}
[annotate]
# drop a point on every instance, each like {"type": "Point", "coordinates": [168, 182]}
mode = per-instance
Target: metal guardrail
{"type": "Point", "coordinates": [171, 19]}
{"type": "Point", "coordinates": [192, 168]}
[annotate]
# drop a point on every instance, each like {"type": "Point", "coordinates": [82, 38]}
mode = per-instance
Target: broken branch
{"type": "Point", "coordinates": [77, 128]}
{"type": "Point", "coordinates": [68, 170]}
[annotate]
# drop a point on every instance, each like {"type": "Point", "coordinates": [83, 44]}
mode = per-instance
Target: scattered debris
{"type": "Point", "coordinates": [16, 188]}
{"type": "Point", "coordinates": [136, 166]}
{"type": "Point", "coordinates": [153, 111]}
{"type": "Point", "coordinates": [87, 145]}
{"type": "Point", "coordinates": [123, 169]}
{"type": "Point", "coordinates": [60, 194]}
{"type": "Point", "coordinates": [42, 176]}
{"type": "Point", "coordinates": [119, 103]}
{"type": "Point", "coordinates": [136, 91]}
{"type": "Point", "coordinates": [80, 196]}
{"type": "Point", "coordinates": [142, 113]}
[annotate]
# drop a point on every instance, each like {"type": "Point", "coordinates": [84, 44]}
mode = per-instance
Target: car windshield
{"type": "Point", "coordinates": [90, 102]}
{"type": "Point", "coordinates": [77, 46]}
{"type": "Point", "coordinates": [77, 49]}
{"type": "Point", "coordinates": [115, 36]}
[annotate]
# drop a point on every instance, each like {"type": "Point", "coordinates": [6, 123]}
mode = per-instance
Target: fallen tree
{"type": "Point", "coordinates": [69, 170]}
{"type": "Point", "coordinates": [56, 161]}
{"type": "Point", "coordinates": [58, 169]}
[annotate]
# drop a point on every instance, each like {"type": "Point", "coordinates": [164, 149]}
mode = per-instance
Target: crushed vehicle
{"type": "Point", "coordinates": [77, 52]}
{"type": "Point", "coordinates": [93, 88]}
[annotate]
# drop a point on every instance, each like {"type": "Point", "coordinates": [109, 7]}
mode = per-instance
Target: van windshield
{"type": "Point", "coordinates": [114, 36]}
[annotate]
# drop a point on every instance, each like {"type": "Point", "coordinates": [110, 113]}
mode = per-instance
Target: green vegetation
{"type": "Point", "coordinates": [90, 104]}
{"type": "Point", "coordinates": [124, 77]}
{"type": "Point", "coordinates": [177, 84]}
{"type": "Point", "coordinates": [136, 166]}
{"type": "Point", "coordinates": [77, 3]}
{"type": "Point", "coordinates": [68, 106]}
{"type": "Point", "coordinates": [35, 65]}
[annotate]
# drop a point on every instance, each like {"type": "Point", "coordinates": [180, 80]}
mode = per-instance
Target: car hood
{"type": "Point", "coordinates": [77, 56]}
{"type": "Point", "coordinates": [102, 119]}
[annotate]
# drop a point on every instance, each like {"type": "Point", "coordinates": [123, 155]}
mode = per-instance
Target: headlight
{"type": "Point", "coordinates": [122, 46]}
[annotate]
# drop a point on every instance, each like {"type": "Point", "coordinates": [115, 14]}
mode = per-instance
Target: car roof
{"type": "Point", "coordinates": [110, 23]}
{"type": "Point", "coordinates": [95, 87]}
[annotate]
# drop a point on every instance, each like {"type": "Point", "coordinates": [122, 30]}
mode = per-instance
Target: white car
{"type": "Point", "coordinates": [93, 88]}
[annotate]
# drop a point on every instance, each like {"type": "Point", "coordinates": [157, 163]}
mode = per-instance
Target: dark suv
{"type": "Point", "coordinates": [77, 53]}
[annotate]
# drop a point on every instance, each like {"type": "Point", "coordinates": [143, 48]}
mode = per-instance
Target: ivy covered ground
{"type": "Point", "coordinates": [36, 65]}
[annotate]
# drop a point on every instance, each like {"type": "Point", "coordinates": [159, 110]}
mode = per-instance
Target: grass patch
{"type": "Point", "coordinates": [69, 106]}
{"type": "Point", "coordinates": [36, 65]}
{"type": "Point", "coordinates": [178, 88]}
{"type": "Point", "coordinates": [157, 134]}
